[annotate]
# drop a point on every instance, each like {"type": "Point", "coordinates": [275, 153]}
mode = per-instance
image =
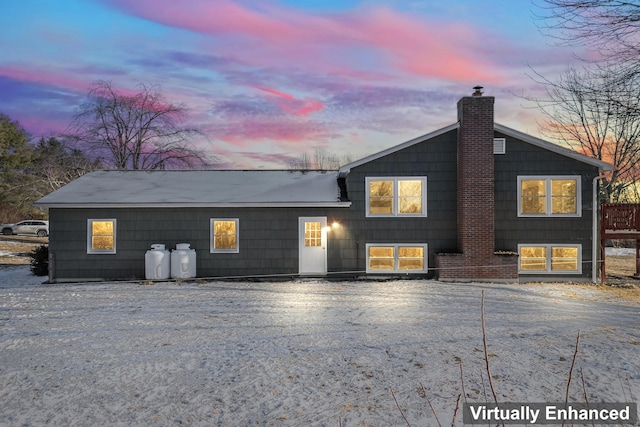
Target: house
{"type": "Point", "coordinates": [471, 201]}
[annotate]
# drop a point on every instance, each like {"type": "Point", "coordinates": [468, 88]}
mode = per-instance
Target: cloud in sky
{"type": "Point", "coordinates": [273, 35]}
{"type": "Point", "coordinates": [275, 77]}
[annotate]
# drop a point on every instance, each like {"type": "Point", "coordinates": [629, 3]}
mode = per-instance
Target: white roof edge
{"type": "Point", "coordinates": [197, 205]}
{"type": "Point", "coordinates": [344, 170]}
{"type": "Point", "coordinates": [552, 147]}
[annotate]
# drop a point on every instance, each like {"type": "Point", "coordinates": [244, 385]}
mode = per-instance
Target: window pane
{"type": "Point", "coordinates": [410, 188]}
{"type": "Point", "coordinates": [411, 205]}
{"type": "Point", "coordinates": [225, 234]}
{"type": "Point", "coordinates": [224, 227]}
{"type": "Point", "coordinates": [381, 197]}
{"type": "Point", "coordinates": [102, 236]}
{"type": "Point", "coordinates": [533, 258]}
{"type": "Point", "coordinates": [411, 252]}
{"type": "Point", "coordinates": [224, 242]}
{"type": "Point", "coordinates": [102, 228]}
{"type": "Point", "coordinates": [378, 252]}
{"type": "Point", "coordinates": [411, 258]}
{"type": "Point", "coordinates": [312, 234]}
{"type": "Point", "coordinates": [533, 193]}
{"type": "Point", "coordinates": [563, 196]}
{"type": "Point", "coordinates": [381, 258]}
{"type": "Point", "coordinates": [564, 258]}
{"type": "Point", "coordinates": [102, 243]}
{"type": "Point", "coordinates": [381, 206]}
{"type": "Point", "coordinates": [410, 264]}
{"type": "Point", "coordinates": [410, 196]}
{"type": "Point", "coordinates": [381, 188]}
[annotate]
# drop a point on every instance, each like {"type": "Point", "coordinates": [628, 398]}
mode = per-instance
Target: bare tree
{"type": "Point", "coordinates": [137, 131]}
{"type": "Point", "coordinates": [54, 165]}
{"type": "Point", "coordinates": [320, 160]}
{"type": "Point", "coordinates": [609, 27]}
{"type": "Point", "coordinates": [597, 113]}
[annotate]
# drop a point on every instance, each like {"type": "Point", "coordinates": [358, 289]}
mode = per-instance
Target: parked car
{"type": "Point", "coordinates": [34, 227]}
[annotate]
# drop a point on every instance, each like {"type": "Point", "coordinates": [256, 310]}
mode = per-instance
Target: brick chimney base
{"type": "Point", "coordinates": [461, 268]}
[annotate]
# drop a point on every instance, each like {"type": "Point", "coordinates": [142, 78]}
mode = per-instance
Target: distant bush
{"type": "Point", "coordinates": [40, 261]}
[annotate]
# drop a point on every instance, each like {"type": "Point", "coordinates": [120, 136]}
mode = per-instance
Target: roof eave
{"type": "Point", "coordinates": [344, 170]}
{"type": "Point", "coordinates": [604, 166]}
{"type": "Point", "coordinates": [195, 205]}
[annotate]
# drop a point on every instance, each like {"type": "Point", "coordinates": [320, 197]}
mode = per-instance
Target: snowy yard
{"type": "Point", "coordinates": [307, 353]}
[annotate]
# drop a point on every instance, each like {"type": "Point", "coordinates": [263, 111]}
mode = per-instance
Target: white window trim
{"type": "Point", "coordinates": [396, 197]}
{"type": "Point", "coordinates": [212, 249]}
{"type": "Point", "coordinates": [548, 179]}
{"type": "Point", "coordinates": [548, 270]}
{"type": "Point", "coordinates": [90, 250]}
{"type": "Point", "coordinates": [395, 255]}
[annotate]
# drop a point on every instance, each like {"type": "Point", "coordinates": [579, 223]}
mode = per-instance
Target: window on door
{"type": "Point", "coordinates": [312, 234]}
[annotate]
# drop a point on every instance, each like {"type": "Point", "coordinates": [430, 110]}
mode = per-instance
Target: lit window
{"type": "Point", "coordinates": [550, 258]}
{"type": "Point", "coordinates": [533, 258]}
{"type": "Point", "coordinates": [313, 234]}
{"type": "Point", "coordinates": [381, 197]}
{"type": "Point", "coordinates": [411, 258]}
{"type": "Point", "coordinates": [224, 235]}
{"type": "Point", "coordinates": [396, 196]}
{"type": "Point", "coordinates": [396, 258]}
{"type": "Point", "coordinates": [101, 236]}
{"type": "Point", "coordinates": [381, 258]}
{"type": "Point", "coordinates": [558, 196]}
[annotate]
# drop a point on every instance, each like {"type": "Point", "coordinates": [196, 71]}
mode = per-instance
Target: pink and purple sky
{"type": "Point", "coordinates": [266, 80]}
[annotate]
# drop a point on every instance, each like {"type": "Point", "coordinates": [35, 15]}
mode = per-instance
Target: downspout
{"type": "Point", "coordinates": [595, 241]}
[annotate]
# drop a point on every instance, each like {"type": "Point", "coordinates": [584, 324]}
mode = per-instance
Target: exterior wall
{"type": "Point", "coordinates": [435, 159]}
{"type": "Point", "coordinates": [268, 241]}
{"type": "Point", "coordinates": [521, 159]}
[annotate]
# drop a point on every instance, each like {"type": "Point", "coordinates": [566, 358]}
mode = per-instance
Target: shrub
{"type": "Point", "coordinates": [40, 261]}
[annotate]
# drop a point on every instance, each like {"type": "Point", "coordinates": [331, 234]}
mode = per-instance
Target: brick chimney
{"type": "Point", "coordinates": [476, 259]}
{"type": "Point", "coordinates": [476, 228]}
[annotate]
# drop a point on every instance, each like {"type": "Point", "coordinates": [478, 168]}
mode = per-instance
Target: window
{"type": "Point", "coordinates": [101, 236]}
{"type": "Point", "coordinates": [399, 258]}
{"type": "Point", "coordinates": [396, 196]}
{"type": "Point", "coordinates": [550, 258]}
{"type": "Point", "coordinates": [313, 234]}
{"type": "Point", "coordinates": [541, 196]}
{"type": "Point", "coordinates": [224, 235]}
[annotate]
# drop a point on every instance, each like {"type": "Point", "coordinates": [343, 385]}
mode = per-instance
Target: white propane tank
{"type": "Point", "coordinates": [156, 263]}
{"type": "Point", "coordinates": [183, 262]}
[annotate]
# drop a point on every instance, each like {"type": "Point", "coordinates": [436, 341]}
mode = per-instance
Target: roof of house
{"type": "Point", "coordinates": [344, 170]}
{"type": "Point", "coordinates": [219, 188]}
{"type": "Point", "coordinates": [206, 188]}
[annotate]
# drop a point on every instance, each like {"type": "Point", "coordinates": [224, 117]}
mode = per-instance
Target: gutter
{"type": "Point", "coordinates": [595, 239]}
{"type": "Point", "coordinates": [195, 205]}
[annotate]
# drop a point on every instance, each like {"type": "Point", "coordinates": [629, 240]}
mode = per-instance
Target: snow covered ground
{"type": "Point", "coordinates": [305, 353]}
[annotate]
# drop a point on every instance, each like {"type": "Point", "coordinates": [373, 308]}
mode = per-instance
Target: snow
{"type": "Point", "coordinates": [300, 353]}
{"type": "Point", "coordinates": [620, 251]}
{"type": "Point", "coordinates": [198, 188]}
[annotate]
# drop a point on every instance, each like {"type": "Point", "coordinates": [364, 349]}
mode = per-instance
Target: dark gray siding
{"type": "Point", "coordinates": [522, 158]}
{"type": "Point", "coordinates": [268, 237]}
{"type": "Point", "coordinates": [435, 159]}
{"type": "Point", "coordinates": [268, 240]}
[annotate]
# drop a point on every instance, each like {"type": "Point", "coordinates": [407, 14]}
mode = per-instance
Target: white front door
{"type": "Point", "coordinates": [312, 238]}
